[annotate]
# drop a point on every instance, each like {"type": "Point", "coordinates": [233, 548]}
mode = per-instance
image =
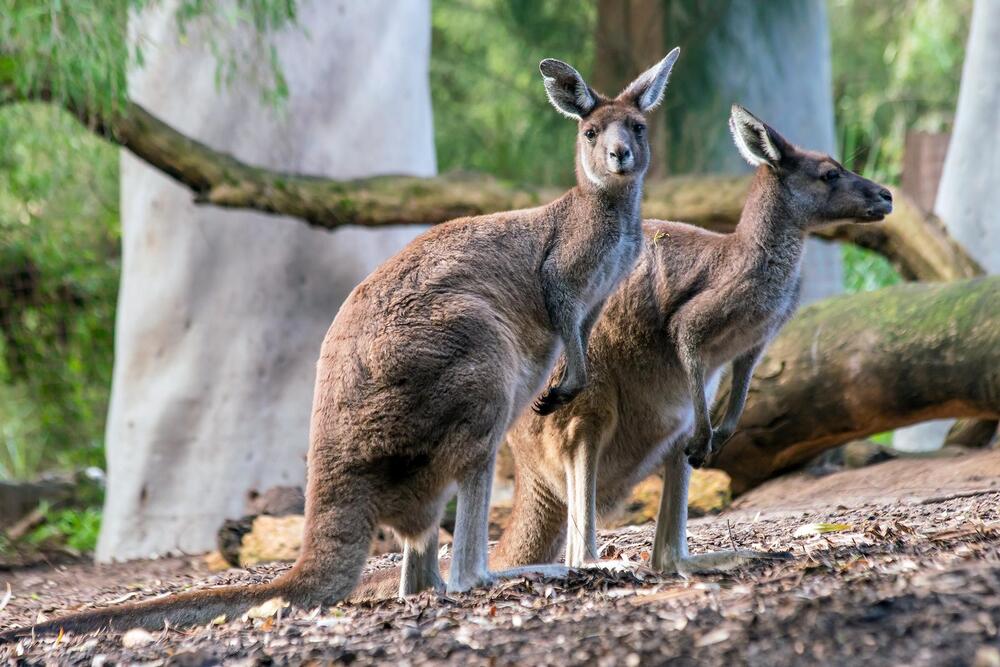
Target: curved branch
{"type": "Point", "coordinates": [915, 242]}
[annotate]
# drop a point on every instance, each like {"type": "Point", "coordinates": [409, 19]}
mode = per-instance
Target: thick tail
{"type": "Point", "coordinates": [537, 528]}
{"type": "Point", "coordinates": [193, 608]}
{"type": "Point", "coordinates": [335, 546]}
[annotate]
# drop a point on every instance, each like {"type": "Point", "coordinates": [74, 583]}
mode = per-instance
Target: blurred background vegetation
{"type": "Point", "coordinates": [896, 66]}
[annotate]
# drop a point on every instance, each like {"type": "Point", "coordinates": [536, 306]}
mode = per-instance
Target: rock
{"type": "Point", "coordinates": [216, 562]}
{"type": "Point", "coordinates": [861, 453]}
{"type": "Point", "coordinates": [272, 538]}
{"type": "Point", "coordinates": [137, 637]}
{"type": "Point", "coordinates": [710, 492]}
{"type": "Point", "coordinates": [641, 506]}
{"type": "Point", "coordinates": [230, 538]}
{"type": "Point", "coordinates": [277, 501]}
{"type": "Point", "coordinates": [385, 542]}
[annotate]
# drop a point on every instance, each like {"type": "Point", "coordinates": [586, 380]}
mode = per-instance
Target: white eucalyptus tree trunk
{"type": "Point", "coordinates": [773, 58]}
{"type": "Point", "coordinates": [221, 313]}
{"type": "Point", "coordinates": [968, 198]}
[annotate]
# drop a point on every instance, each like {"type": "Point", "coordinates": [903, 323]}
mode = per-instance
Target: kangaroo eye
{"type": "Point", "coordinates": [639, 128]}
{"type": "Point", "coordinates": [831, 176]}
{"type": "Point", "coordinates": [590, 133]}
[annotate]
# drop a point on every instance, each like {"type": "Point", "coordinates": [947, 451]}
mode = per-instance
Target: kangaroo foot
{"type": "Point", "coordinates": [720, 561]}
{"type": "Point", "coordinates": [475, 580]}
{"type": "Point", "coordinates": [612, 565]}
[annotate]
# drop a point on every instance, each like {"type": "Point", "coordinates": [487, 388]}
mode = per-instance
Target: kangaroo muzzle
{"type": "Point", "coordinates": [620, 159]}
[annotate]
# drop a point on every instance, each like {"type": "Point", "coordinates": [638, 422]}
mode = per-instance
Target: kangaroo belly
{"type": "Point", "coordinates": [641, 444]}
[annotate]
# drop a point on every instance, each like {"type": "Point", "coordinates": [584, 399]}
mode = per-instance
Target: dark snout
{"type": "Point", "coordinates": [881, 203]}
{"type": "Point", "coordinates": [871, 201]}
{"type": "Point", "coordinates": [620, 158]}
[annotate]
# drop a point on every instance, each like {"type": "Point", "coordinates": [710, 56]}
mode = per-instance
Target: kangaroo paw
{"type": "Point", "coordinates": [695, 457]}
{"type": "Point", "coordinates": [698, 449]}
{"type": "Point", "coordinates": [551, 400]}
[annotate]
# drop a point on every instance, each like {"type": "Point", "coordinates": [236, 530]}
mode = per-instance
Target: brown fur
{"type": "Point", "coordinates": [426, 365]}
{"type": "Point", "coordinates": [727, 295]}
{"type": "Point", "coordinates": [696, 300]}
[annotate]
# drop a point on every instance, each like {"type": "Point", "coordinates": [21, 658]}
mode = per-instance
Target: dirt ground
{"type": "Point", "coordinates": [909, 575]}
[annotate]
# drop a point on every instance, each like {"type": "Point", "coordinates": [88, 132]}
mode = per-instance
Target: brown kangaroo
{"type": "Point", "coordinates": [431, 358]}
{"type": "Point", "coordinates": [696, 301]}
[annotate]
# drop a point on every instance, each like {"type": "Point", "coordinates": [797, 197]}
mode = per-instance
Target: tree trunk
{"type": "Point", "coordinates": [852, 366]}
{"type": "Point", "coordinates": [968, 195]}
{"type": "Point", "coordinates": [773, 58]}
{"type": "Point", "coordinates": [629, 39]}
{"type": "Point", "coordinates": [221, 313]}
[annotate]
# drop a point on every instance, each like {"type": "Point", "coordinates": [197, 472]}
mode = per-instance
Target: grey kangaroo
{"type": "Point", "coordinates": [696, 301]}
{"type": "Point", "coordinates": [432, 357]}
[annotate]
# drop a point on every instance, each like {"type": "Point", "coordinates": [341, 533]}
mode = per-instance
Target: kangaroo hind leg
{"type": "Point", "coordinates": [420, 566]}
{"type": "Point", "coordinates": [670, 552]}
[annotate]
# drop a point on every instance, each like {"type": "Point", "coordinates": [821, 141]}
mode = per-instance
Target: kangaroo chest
{"type": "Point", "coordinates": [753, 313]}
{"type": "Point", "coordinates": [618, 255]}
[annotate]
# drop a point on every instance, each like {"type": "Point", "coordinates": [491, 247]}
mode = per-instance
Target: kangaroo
{"type": "Point", "coordinates": [696, 301]}
{"type": "Point", "coordinates": [432, 357]}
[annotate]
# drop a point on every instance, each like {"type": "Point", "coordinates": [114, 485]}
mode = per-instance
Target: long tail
{"type": "Point", "coordinates": [335, 547]}
{"type": "Point", "coordinates": [193, 608]}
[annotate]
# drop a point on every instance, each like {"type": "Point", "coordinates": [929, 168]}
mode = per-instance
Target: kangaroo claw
{"type": "Point", "coordinates": [551, 400]}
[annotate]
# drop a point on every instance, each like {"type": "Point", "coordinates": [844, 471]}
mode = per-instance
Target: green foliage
{"type": "Point", "coordinates": [865, 270]}
{"type": "Point", "coordinates": [897, 66]}
{"type": "Point", "coordinates": [490, 110]}
{"type": "Point", "coordinates": [59, 220]}
{"type": "Point", "coordinates": [71, 528]}
{"type": "Point", "coordinates": [59, 263]}
{"type": "Point", "coordinates": [79, 50]}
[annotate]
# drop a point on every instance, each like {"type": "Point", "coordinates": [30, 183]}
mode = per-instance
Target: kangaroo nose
{"type": "Point", "coordinates": [620, 153]}
{"type": "Point", "coordinates": [885, 194]}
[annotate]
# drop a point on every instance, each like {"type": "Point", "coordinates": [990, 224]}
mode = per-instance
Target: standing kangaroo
{"type": "Point", "coordinates": [432, 357]}
{"type": "Point", "coordinates": [696, 301]}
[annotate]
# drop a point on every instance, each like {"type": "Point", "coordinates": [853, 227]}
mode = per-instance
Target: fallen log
{"type": "Point", "coordinates": [857, 365]}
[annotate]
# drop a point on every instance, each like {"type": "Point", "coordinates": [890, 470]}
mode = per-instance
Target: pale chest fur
{"type": "Point", "coordinates": [759, 303]}
{"type": "Point", "coordinates": [619, 256]}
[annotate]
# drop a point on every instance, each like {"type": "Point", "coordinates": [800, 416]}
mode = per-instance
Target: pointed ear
{"type": "Point", "coordinates": [567, 90]}
{"type": "Point", "coordinates": [646, 92]}
{"type": "Point", "coordinates": [757, 142]}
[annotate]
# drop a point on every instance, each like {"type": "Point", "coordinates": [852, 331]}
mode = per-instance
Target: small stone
{"type": "Point", "coordinates": [137, 637]}
{"type": "Point", "coordinates": [987, 656]}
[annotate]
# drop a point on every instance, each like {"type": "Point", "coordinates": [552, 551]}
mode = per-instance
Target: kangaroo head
{"type": "Point", "coordinates": [818, 188]}
{"type": "Point", "coordinates": [612, 147]}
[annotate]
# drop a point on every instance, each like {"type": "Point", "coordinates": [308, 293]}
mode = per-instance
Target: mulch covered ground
{"type": "Point", "coordinates": [915, 582]}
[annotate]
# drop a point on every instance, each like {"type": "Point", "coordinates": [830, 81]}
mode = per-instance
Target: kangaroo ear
{"type": "Point", "coordinates": [646, 92]}
{"type": "Point", "coordinates": [567, 90]}
{"type": "Point", "coordinates": [757, 142]}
